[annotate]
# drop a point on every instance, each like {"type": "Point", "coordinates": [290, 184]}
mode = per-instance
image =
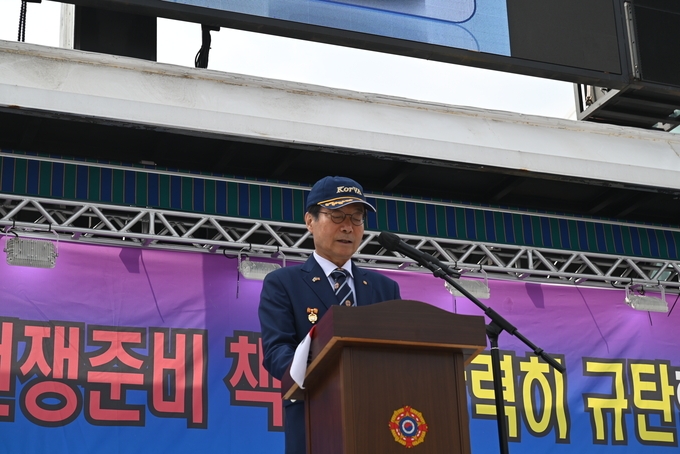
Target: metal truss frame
{"type": "Point", "coordinates": [99, 223]}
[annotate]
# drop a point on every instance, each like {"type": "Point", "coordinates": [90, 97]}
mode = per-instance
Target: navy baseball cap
{"type": "Point", "coordinates": [336, 192]}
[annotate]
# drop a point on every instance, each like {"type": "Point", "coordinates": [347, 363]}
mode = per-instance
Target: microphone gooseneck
{"type": "Point", "coordinates": [392, 242]}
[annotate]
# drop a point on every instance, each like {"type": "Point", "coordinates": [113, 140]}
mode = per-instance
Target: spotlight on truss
{"type": "Point", "coordinates": [256, 270]}
{"type": "Point", "coordinates": [33, 253]}
{"type": "Point", "coordinates": [643, 302]}
{"type": "Point", "coordinates": [478, 288]}
{"type": "Point", "coordinates": [250, 269]}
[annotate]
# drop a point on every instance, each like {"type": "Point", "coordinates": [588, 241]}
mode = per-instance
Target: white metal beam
{"type": "Point", "coordinates": [95, 223]}
{"type": "Point", "coordinates": [124, 90]}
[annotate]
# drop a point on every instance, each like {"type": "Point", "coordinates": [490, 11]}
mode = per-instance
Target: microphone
{"type": "Point", "coordinates": [392, 242]}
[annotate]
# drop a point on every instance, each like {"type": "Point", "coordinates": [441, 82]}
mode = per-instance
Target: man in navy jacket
{"type": "Point", "coordinates": [295, 297]}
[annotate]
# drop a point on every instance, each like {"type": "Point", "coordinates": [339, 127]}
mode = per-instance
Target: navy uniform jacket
{"type": "Point", "coordinates": [286, 295]}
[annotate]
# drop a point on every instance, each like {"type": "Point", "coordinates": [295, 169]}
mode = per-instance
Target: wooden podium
{"type": "Point", "coordinates": [386, 376]}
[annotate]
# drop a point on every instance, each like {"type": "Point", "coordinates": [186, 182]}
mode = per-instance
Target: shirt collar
{"type": "Point", "coordinates": [328, 267]}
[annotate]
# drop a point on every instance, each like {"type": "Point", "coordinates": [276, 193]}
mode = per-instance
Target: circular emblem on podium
{"type": "Point", "coordinates": [408, 427]}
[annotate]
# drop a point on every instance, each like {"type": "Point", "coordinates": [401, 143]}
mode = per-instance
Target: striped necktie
{"type": "Point", "coordinates": [343, 291]}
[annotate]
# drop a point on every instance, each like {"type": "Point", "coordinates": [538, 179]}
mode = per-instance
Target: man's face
{"type": "Point", "coordinates": [336, 242]}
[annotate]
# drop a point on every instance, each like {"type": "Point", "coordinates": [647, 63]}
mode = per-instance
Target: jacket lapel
{"type": "Point", "coordinates": [362, 286]}
{"type": "Point", "coordinates": [316, 279]}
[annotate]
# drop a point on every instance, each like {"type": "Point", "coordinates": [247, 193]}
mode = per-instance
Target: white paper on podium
{"type": "Point", "coordinates": [298, 367]}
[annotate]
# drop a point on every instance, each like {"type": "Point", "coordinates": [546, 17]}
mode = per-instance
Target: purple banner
{"type": "Point", "coordinates": [131, 350]}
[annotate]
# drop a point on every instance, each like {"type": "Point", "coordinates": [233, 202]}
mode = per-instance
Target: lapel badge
{"type": "Point", "coordinates": [365, 283]}
{"type": "Point", "coordinates": [312, 317]}
{"type": "Point", "coordinates": [316, 279]}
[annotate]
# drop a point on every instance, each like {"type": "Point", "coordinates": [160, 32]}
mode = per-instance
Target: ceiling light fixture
{"type": "Point", "coordinates": [641, 302]}
{"type": "Point", "coordinates": [479, 288]}
{"type": "Point", "coordinates": [257, 270]}
{"type": "Point", "coordinates": [35, 253]}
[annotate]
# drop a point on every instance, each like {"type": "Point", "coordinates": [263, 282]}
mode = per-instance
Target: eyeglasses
{"type": "Point", "coordinates": [339, 217]}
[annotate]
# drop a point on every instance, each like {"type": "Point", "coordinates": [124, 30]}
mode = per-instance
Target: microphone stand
{"type": "Point", "coordinates": [493, 330]}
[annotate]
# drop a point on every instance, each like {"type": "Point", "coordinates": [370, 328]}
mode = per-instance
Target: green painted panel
{"type": "Point", "coordinates": [460, 223]}
{"type": "Point", "coordinates": [555, 234]}
{"type": "Point", "coordinates": [401, 216]}
{"type": "Point", "coordinates": [118, 186]}
{"type": "Point", "coordinates": [381, 213]}
{"type": "Point", "coordinates": [277, 204]}
{"type": "Point", "coordinates": [20, 176]}
{"type": "Point", "coordinates": [141, 189]}
{"type": "Point", "coordinates": [499, 227]}
{"type": "Point", "coordinates": [70, 181]}
{"type": "Point", "coordinates": [232, 199]}
{"type": "Point", "coordinates": [609, 238]}
{"type": "Point", "coordinates": [421, 218]}
{"type": "Point", "coordinates": [164, 191]}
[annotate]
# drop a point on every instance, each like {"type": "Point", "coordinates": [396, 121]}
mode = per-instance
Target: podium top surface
{"type": "Point", "coordinates": [401, 324]}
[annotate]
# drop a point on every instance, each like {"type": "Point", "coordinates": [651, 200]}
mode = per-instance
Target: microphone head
{"type": "Point", "coordinates": [388, 240]}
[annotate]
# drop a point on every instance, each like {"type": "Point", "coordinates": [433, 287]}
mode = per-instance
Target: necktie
{"type": "Point", "coordinates": [341, 287]}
